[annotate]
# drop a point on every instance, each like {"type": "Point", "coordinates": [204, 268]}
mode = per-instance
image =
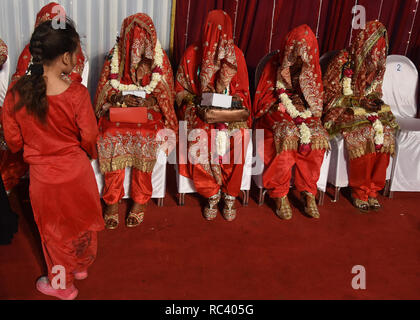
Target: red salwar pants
{"type": "Point", "coordinates": [74, 255]}
{"type": "Point", "coordinates": [141, 186]}
{"type": "Point", "coordinates": [230, 172]}
{"type": "Point", "coordinates": [207, 186]}
{"type": "Point", "coordinates": [278, 172]}
{"type": "Point", "coordinates": [367, 175]}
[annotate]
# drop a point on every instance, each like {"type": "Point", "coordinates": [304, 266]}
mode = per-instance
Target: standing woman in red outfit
{"type": "Point", "coordinates": [13, 167]}
{"type": "Point", "coordinates": [52, 119]}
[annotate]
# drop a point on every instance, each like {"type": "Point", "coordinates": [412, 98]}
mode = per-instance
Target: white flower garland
{"type": "Point", "coordinates": [347, 90]}
{"type": "Point", "coordinates": [379, 129]}
{"type": "Point", "coordinates": [221, 142]}
{"type": "Point", "coordinates": [156, 76]}
{"type": "Point", "coordinates": [376, 124]}
{"type": "Point", "coordinates": [305, 132]}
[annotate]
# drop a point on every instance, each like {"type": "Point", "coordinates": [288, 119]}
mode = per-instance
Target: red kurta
{"type": "Point", "coordinates": [12, 166]}
{"type": "Point", "coordinates": [214, 64]}
{"type": "Point", "coordinates": [282, 145]}
{"type": "Point", "coordinates": [63, 190]}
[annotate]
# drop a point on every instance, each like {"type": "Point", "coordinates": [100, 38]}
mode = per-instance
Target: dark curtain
{"type": "Point", "coordinates": [254, 20]}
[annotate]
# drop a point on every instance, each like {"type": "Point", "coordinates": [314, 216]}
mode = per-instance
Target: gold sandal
{"type": "Point", "coordinates": [363, 206]}
{"type": "Point", "coordinates": [210, 212]}
{"type": "Point", "coordinates": [111, 217]}
{"type": "Point", "coordinates": [283, 211]}
{"type": "Point", "coordinates": [311, 209]}
{"type": "Point", "coordinates": [139, 217]}
{"type": "Point", "coordinates": [374, 204]}
{"type": "Point", "coordinates": [229, 211]}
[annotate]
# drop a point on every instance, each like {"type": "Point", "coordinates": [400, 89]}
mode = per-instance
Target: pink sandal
{"type": "Point", "coordinates": [43, 285]}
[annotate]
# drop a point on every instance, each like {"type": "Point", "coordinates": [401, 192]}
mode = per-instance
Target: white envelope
{"type": "Point", "coordinates": [137, 93]}
{"type": "Point", "coordinates": [216, 100]}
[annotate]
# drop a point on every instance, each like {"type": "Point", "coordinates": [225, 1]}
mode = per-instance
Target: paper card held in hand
{"type": "Point", "coordinates": [216, 100]}
{"type": "Point", "coordinates": [138, 93]}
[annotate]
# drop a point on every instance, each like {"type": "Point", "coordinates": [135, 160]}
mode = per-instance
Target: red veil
{"type": "Point", "coordinates": [218, 53]}
{"type": "Point", "coordinates": [366, 58]}
{"type": "Point", "coordinates": [213, 65]}
{"type": "Point", "coordinates": [48, 12]}
{"type": "Point", "coordinates": [300, 42]}
{"type": "Point", "coordinates": [138, 38]}
{"type": "Point", "coordinates": [305, 89]}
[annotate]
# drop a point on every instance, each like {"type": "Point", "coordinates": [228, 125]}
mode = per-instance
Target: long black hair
{"type": "Point", "coordinates": [48, 42]}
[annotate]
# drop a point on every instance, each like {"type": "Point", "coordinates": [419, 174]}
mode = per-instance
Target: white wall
{"type": "Point", "coordinates": [98, 23]}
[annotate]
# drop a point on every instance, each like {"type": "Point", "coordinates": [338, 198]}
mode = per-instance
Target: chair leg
{"type": "Point", "coordinates": [160, 202]}
{"type": "Point", "coordinates": [321, 198]}
{"type": "Point", "coordinates": [391, 195]}
{"type": "Point", "coordinates": [387, 188]}
{"type": "Point", "coordinates": [181, 199]}
{"type": "Point", "coordinates": [261, 196]}
{"type": "Point", "coordinates": [245, 200]}
{"type": "Point", "coordinates": [336, 194]}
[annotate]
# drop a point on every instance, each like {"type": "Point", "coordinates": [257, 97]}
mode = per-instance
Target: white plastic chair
{"type": "Point", "coordinates": [85, 74]}
{"type": "Point", "coordinates": [186, 185]}
{"type": "Point", "coordinates": [258, 179]}
{"type": "Point", "coordinates": [4, 80]}
{"type": "Point", "coordinates": [400, 88]}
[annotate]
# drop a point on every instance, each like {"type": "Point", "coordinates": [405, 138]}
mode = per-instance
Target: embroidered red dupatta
{"type": "Point", "coordinates": [48, 12]}
{"type": "Point", "coordinates": [123, 144]}
{"type": "Point", "coordinates": [214, 64]}
{"type": "Point", "coordinates": [365, 62]}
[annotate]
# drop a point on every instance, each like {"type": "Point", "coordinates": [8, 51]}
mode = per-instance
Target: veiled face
{"type": "Point", "coordinates": [137, 44]}
{"type": "Point", "coordinates": [144, 68]}
{"type": "Point", "coordinates": [297, 67]}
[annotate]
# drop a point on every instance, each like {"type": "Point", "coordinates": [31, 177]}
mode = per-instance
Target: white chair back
{"type": "Point", "coordinates": [4, 80]}
{"type": "Point", "coordinates": [400, 86]}
{"type": "Point", "coordinates": [85, 74]}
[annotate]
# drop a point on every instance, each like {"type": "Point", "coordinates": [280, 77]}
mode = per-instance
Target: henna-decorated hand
{"type": "Point", "coordinates": [116, 98]}
{"type": "Point", "coordinates": [236, 97]}
{"type": "Point", "coordinates": [133, 101]}
{"type": "Point", "coordinates": [150, 101]}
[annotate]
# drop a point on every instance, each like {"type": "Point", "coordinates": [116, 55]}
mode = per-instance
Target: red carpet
{"type": "Point", "coordinates": [176, 254]}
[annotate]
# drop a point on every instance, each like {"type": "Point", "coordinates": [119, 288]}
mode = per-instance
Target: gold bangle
{"type": "Point", "coordinates": [189, 99]}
